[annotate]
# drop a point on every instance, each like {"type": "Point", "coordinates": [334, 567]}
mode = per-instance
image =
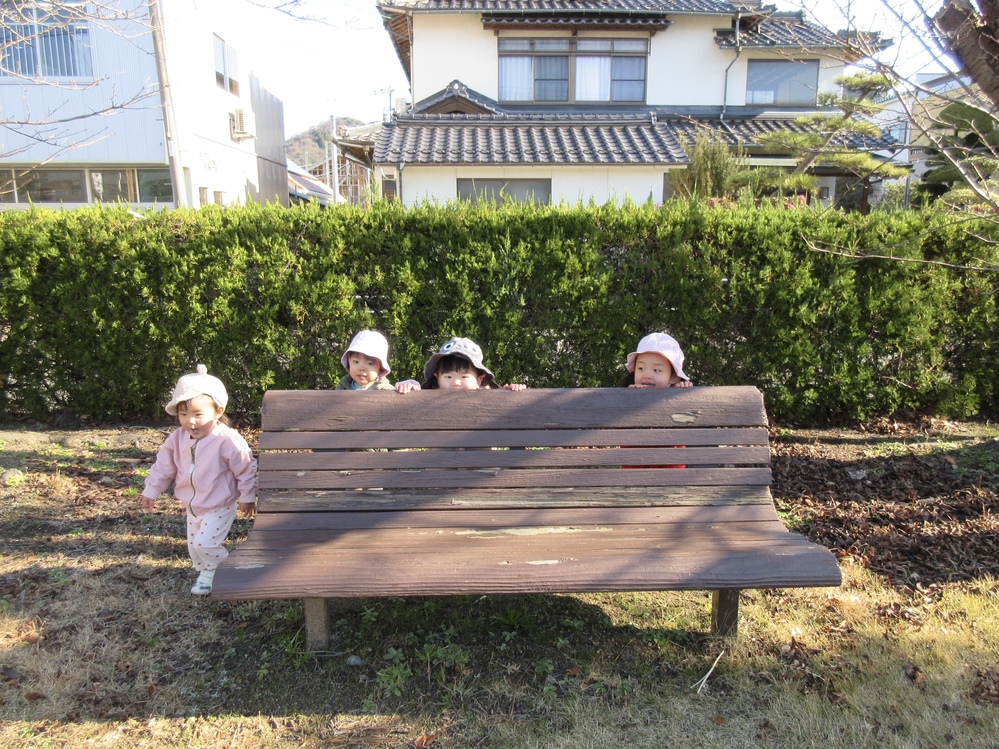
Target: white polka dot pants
{"type": "Point", "coordinates": [205, 535]}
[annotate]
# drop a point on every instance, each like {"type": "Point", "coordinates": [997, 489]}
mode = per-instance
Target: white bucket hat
{"type": "Point", "coordinates": [464, 348]}
{"type": "Point", "coordinates": [195, 384]}
{"type": "Point", "coordinates": [663, 344]}
{"type": "Point", "coordinates": [369, 343]}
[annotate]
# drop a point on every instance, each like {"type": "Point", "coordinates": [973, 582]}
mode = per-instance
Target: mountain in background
{"type": "Point", "coordinates": [308, 148]}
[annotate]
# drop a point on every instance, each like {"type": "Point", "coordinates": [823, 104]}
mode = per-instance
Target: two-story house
{"type": "Point", "coordinates": [99, 102]}
{"type": "Point", "coordinates": [569, 100]}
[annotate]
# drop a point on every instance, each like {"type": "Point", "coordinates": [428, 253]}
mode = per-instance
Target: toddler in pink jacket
{"type": "Point", "coordinates": [212, 469]}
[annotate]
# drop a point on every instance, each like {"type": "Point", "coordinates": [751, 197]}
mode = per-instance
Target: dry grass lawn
{"type": "Point", "coordinates": [101, 644]}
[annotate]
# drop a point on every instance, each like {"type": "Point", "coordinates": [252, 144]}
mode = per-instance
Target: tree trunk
{"type": "Point", "coordinates": [971, 34]}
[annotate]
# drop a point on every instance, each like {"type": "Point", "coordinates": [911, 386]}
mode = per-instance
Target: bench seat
{"type": "Point", "coordinates": [498, 492]}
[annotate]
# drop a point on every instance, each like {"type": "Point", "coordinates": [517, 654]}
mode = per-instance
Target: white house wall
{"type": "Point", "coordinates": [686, 66]}
{"type": "Point", "coordinates": [453, 46]}
{"type": "Point", "coordinates": [570, 184]}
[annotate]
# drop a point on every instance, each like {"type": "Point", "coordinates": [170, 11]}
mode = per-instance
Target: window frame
{"type": "Point", "coordinates": [812, 86]}
{"type": "Point", "coordinates": [51, 36]}
{"type": "Point", "coordinates": [572, 50]}
{"type": "Point", "coordinates": [142, 185]}
{"type": "Point", "coordinates": [496, 189]}
{"type": "Point", "coordinates": [226, 65]}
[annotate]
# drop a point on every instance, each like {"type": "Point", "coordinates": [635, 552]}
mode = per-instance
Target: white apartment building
{"type": "Point", "coordinates": [83, 117]}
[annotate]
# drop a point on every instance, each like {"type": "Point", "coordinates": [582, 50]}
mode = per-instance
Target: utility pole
{"type": "Point", "coordinates": [166, 102]}
{"type": "Point", "coordinates": [334, 170]}
{"type": "Point", "coordinates": [391, 104]}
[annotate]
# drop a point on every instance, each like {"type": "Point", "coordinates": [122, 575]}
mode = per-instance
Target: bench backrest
{"type": "Point", "coordinates": [497, 448]}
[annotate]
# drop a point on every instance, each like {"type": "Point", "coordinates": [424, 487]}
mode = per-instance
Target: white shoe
{"type": "Point", "coordinates": [203, 585]}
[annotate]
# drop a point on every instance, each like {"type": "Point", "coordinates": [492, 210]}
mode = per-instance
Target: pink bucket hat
{"type": "Point", "coordinates": [369, 343]}
{"type": "Point", "coordinates": [663, 344]}
{"type": "Point", "coordinates": [195, 384]}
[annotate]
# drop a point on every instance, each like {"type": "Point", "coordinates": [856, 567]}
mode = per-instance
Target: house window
{"type": "Point", "coordinates": [390, 188]}
{"type": "Point", "coordinates": [45, 42]}
{"type": "Point", "coordinates": [782, 82]}
{"type": "Point", "coordinates": [85, 186]}
{"type": "Point", "coordinates": [112, 186]}
{"type": "Point", "coordinates": [537, 191]}
{"type": "Point", "coordinates": [7, 192]}
{"type": "Point", "coordinates": [53, 186]}
{"type": "Point", "coordinates": [155, 186]}
{"type": "Point", "coordinates": [226, 67]}
{"type": "Point", "coordinates": [572, 70]}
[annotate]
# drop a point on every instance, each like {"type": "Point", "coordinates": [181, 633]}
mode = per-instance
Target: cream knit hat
{"type": "Point", "coordinates": [195, 384]}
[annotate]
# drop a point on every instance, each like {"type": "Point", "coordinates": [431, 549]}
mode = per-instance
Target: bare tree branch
{"type": "Point", "coordinates": [854, 255]}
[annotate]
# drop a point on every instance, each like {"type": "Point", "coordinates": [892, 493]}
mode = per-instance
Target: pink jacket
{"type": "Point", "coordinates": [209, 474]}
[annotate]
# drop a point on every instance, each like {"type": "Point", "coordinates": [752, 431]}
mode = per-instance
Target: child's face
{"type": "Point", "coordinates": [364, 370]}
{"type": "Point", "coordinates": [653, 370]}
{"type": "Point", "coordinates": [458, 380]}
{"type": "Point", "coordinates": [198, 416]}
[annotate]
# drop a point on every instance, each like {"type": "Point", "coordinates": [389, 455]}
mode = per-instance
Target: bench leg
{"type": "Point", "coordinates": [317, 624]}
{"type": "Point", "coordinates": [725, 612]}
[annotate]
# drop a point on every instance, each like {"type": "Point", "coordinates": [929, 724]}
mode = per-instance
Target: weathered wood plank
{"type": "Point", "coordinates": [513, 478]}
{"type": "Point", "coordinates": [725, 612]}
{"type": "Point", "coordinates": [537, 459]}
{"type": "Point", "coordinates": [317, 623]}
{"type": "Point", "coordinates": [404, 439]}
{"type": "Point", "coordinates": [466, 545]}
{"type": "Point", "coordinates": [614, 498]}
{"type": "Point", "coordinates": [560, 408]}
{"type": "Point", "coordinates": [510, 517]}
{"type": "Point", "coordinates": [807, 566]}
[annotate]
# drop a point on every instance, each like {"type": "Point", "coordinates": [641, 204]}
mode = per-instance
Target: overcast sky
{"type": "Point", "coordinates": [344, 63]}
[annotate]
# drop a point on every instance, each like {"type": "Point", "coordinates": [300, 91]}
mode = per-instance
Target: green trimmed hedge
{"type": "Point", "coordinates": [101, 310]}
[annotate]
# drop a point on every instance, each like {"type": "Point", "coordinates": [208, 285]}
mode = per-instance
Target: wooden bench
{"type": "Point", "coordinates": [492, 492]}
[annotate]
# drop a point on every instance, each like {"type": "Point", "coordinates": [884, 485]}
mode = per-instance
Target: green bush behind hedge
{"type": "Point", "coordinates": [101, 310]}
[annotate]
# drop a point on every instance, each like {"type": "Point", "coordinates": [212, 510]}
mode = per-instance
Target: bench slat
{"type": "Point", "coordinates": [504, 518]}
{"type": "Point", "coordinates": [571, 540]}
{"type": "Point", "coordinates": [677, 568]}
{"type": "Point", "coordinates": [571, 408]}
{"type": "Point", "coordinates": [690, 436]}
{"type": "Point", "coordinates": [512, 478]}
{"type": "Point", "coordinates": [281, 500]}
{"type": "Point", "coordinates": [426, 459]}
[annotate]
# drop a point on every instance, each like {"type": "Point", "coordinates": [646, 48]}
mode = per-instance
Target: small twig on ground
{"type": "Point", "coordinates": [704, 682]}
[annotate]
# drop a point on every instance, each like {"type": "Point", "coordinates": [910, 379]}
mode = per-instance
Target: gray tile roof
{"type": "Point", "coordinates": [457, 91]}
{"type": "Point", "coordinates": [746, 129]}
{"type": "Point", "coordinates": [598, 22]}
{"type": "Point", "coordinates": [528, 139]}
{"type": "Point", "coordinates": [781, 30]}
{"type": "Point", "coordinates": [569, 138]}
{"type": "Point", "coordinates": [573, 6]}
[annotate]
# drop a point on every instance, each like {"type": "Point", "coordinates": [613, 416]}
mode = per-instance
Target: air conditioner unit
{"type": "Point", "coordinates": [240, 125]}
